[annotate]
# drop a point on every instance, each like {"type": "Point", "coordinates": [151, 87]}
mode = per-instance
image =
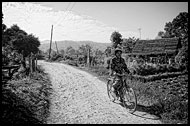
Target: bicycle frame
{"type": "Point", "coordinates": [123, 81]}
{"type": "Point", "coordinates": [126, 98]}
{"type": "Point", "coordinates": [124, 78]}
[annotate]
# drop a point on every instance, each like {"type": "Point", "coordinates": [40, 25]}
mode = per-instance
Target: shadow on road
{"type": "Point", "coordinates": [148, 112]}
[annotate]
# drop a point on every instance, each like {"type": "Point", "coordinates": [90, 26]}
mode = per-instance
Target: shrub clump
{"type": "Point", "coordinates": [167, 98]}
{"type": "Point", "coordinates": [146, 69]}
{"type": "Point", "coordinates": [26, 100]}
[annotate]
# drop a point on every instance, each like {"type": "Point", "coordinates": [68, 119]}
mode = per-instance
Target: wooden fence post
{"type": "Point", "coordinates": [36, 62]}
{"type": "Point", "coordinates": [31, 71]}
{"type": "Point", "coordinates": [33, 62]}
{"type": "Point", "coordinates": [88, 57]}
{"type": "Point", "coordinates": [29, 60]}
{"type": "Point", "coordinates": [32, 67]}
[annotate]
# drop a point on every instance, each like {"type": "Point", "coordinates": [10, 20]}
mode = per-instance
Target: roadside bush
{"type": "Point", "coordinates": [26, 100]}
{"type": "Point", "coordinates": [56, 57]}
{"type": "Point", "coordinates": [166, 98]}
{"type": "Point", "coordinates": [15, 110]}
{"type": "Point", "coordinates": [146, 69]}
{"type": "Point", "coordinates": [71, 62]}
{"type": "Point", "coordinates": [174, 109]}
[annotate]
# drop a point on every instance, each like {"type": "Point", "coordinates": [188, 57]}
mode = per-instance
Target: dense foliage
{"type": "Point", "coordinates": [17, 42]}
{"type": "Point", "coordinates": [26, 100]}
{"type": "Point", "coordinates": [78, 56]}
{"type": "Point", "coordinates": [116, 39]}
{"type": "Point", "coordinates": [129, 44]}
{"type": "Point", "coordinates": [178, 28]}
{"type": "Point", "coordinates": [147, 69]}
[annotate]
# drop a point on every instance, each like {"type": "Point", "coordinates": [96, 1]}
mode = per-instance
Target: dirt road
{"type": "Point", "coordinates": [81, 98]}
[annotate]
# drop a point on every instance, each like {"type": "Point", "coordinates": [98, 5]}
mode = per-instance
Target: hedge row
{"type": "Point", "coordinates": [157, 76]}
{"type": "Point", "coordinates": [151, 70]}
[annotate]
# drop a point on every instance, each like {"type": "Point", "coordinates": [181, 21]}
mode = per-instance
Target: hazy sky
{"type": "Point", "coordinates": [92, 20]}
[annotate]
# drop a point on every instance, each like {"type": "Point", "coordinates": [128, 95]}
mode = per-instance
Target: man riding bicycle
{"type": "Point", "coordinates": [118, 66]}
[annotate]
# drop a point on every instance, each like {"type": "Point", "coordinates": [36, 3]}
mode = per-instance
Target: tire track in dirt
{"type": "Point", "coordinates": [81, 98]}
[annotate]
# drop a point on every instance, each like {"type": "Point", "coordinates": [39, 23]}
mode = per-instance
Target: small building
{"type": "Point", "coordinates": [156, 51]}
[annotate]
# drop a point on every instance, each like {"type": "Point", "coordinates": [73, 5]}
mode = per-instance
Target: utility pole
{"type": "Point", "coordinates": [140, 32]}
{"type": "Point", "coordinates": [56, 47]}
{"type": "Point", "coordinates": [88, 57]}
{"type": "Point", "coordinates": [50, 41]}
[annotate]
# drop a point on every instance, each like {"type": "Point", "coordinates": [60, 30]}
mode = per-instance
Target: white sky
{"type": "Point", "coordinates": [93, 21]}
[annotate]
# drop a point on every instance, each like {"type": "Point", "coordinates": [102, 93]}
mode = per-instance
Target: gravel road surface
{"type": "Point", "coordinates": [81, 98]}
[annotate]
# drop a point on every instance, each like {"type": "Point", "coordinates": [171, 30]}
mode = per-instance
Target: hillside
{"type": "Point", "coordinates": [75, 44]}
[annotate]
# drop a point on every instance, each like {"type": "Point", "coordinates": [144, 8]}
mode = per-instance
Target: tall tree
{"type": "Point", "coordinates": [83, 49]}
{"type": "Point", "coordinates": [83, 52]}
{"type": "Point", "coordinates": [116, 39]}
{"type": "Point", "coordinates": [98, 53]}
{"type": "Point", "coordinates": [17, 41]}
{"type": "Point", "coordinates": [4, 27]}
{"type": "Point", "coordinates": [62, 51]}
{"type": "Point", "coordinates": [4, 43]}
{"type": "Point", "coordinates": [178, 27]}
{"type": "Point", "coordinates": [26, 43]}
{"type": "Point", "coordinates": [53, 52]}
{"type": "Point", "coordinates": [70, 51]}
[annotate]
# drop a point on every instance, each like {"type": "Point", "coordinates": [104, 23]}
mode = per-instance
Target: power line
{"type": "Point", "coordinates": [66, 13]}
{"type": "Point", "coordinates": [58, 21]}
{"type": "Point", "coordinates": [73, 5]}
{"type": "Point", "coordinates": [70, 10]}
{"type": "Point", "coordinates": [61, 19]}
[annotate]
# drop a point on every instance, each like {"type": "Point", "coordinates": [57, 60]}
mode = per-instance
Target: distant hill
{"type": "Point", "coordinates": [75, 44]}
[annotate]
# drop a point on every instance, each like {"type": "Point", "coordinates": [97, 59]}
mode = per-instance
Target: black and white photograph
{"type": "Point", "coordinates": [94, 63]}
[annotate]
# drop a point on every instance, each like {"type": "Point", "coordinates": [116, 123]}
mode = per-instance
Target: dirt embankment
{"type": "Point", "coordinates": [81, 98]}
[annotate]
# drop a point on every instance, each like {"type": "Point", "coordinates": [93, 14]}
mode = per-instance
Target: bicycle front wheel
{"type": "Point", "coordinates": [129, 99]}
{"type": "Point", "coordinates": [109, 91]}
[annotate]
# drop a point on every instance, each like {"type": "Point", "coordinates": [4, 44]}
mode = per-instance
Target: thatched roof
{"type": "Point", "coordinates": [157, 46]}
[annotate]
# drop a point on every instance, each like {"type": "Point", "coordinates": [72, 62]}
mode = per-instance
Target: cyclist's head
{"type": "Point", "coordinates": [118, 51]}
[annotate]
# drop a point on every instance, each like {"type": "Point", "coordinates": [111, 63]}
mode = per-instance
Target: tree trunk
{"type": "Point", "coordinates": [36, 64]}
{"type": "Point", "coordinates": [31, 63]}
{"type": "Point", "coordinates": [88, 58]}
{"type": "Point", "coordinates": [29, 60]}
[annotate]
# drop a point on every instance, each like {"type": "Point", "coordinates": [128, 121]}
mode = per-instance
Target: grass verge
{"type": "Point", "coordinates": [26, 101]}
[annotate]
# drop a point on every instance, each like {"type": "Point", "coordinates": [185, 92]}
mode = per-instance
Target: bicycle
{"type": "Point", "coordinates": [126, 94]}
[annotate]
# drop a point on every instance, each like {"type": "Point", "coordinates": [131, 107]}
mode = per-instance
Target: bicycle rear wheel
{"type": "Point", "coordinates": [129, 99]}
{"type": "Point", "coordinates": [109, 91]}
